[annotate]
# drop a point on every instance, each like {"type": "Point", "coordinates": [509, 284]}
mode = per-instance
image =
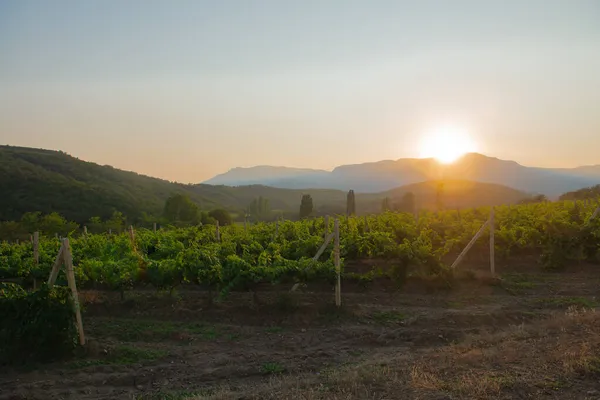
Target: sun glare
{"type": "Point", "coordinates": [446, 144]}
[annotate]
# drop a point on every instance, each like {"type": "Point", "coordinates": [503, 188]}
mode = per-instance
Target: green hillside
{"type": "Point", "coordinates": [47, 181]}
{"type": "Point", "coordinates": [53, 181]}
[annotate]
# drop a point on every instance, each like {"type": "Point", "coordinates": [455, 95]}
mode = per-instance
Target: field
{"type": "Point", "coordinates": [408, 328]}
{"type": "Point", "coordinates": [531, 334]}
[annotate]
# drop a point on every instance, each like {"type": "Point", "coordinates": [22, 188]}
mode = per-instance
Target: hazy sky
{"type": "Point", "coordinates": [186, 89]}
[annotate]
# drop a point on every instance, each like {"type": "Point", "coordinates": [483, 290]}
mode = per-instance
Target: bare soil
{"type": "Point", "coordinates": [530, 334]}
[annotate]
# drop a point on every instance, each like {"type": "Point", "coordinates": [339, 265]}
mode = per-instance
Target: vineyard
{"type": "Point", "coordinates": [167, 313]}
{"type": "Point", "coordinates": [241, 258]}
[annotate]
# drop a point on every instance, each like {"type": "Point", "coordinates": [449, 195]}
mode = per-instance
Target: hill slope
{"type": "Point", "coordinates": [44, 180]}
{"type": "Point", "coordinates": [47, 181]}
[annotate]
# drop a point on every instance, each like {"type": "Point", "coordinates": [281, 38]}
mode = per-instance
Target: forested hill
{"type": "Point", "coordinates": [47, 181]}
{"type": "Point", "coordinates": [53, 181]}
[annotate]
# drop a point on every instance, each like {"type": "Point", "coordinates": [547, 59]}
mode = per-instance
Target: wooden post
{"type": "Point", "coordinates": [326, 226]}
{"type": "Point", "coordinates": [56, 266]}
{"type": "Point", "coordinates": [17, 241]}
{"type": "Point", "coordinates": [131, 233]}
{"type": "Point", "coordinates": [109, 231]}
{"type": "Point", "coordinates": [324, 246]}
{"type": "Point", "coordinates": [85, 230]}
{"type": "Point", "coordinates": [36, 254]}
{"type": "Point", "coordinates": [367, 229]}
{"type": "Point", "coordinates": [471, 243]}
{"type": "Point", "coordinates": [595, 214]}
{"type": "Point", "coordinates": [218, 233]}
{"type": "Point", "coordinates": [154, 227]}
{"type": "Point", "coordinates": [68, 258]}
{"type": "Point", "coordinates": [338, 286]}
{"type": "Point", "coordinates": [492, 244]}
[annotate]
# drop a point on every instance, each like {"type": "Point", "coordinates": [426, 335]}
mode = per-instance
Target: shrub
{"type": "Point", "coordinates": [37, 326]}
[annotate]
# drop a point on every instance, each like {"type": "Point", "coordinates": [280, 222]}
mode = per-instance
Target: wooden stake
{"type": "Point", "coordinates": [492, 244]}
{"type": "Point", "coordinates": [131, 234]}
{"type": "Point", "coordinates": [324, 246]}
{"type": "Point", "coordinates": [595, 214]}
{"type": "Point", "coordinates": [85, 230]}
{"type": "Point", "coordinates": [218, 233]}
{"type": "Point", "coordinates": [68, 257]}
{"type": "Point", "coordinates": [109, 231]}
{"type": "Point", "coordinates": [154, 227]}
{"type": "Point", "coordinates": [471, 243]}
{"type": "Point", "coordinates": [338, 286]}
{"type": "Point", "coordinates": [367, 228]}
{"type": "Point", "coordinates": [56, 266]}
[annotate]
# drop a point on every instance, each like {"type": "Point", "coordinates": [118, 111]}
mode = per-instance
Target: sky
{"type": "Point", "coordinates": [184, 90]}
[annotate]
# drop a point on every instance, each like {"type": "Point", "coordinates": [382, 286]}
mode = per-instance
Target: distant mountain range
{"type": "Point", "coordinates": [385, 175]}
{"type": "Point", "coordinates": [53, 181]}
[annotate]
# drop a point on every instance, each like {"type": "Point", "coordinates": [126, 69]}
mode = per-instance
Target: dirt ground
{"type": "Point", "coordinates": [526, 335]}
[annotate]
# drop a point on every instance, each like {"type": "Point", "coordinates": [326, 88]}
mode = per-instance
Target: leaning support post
{"type": "Point", "coordinates": [595, 214]}
{"type": "Point", "coordinates": [471, 243]}
{"type": "Point", "coordinates": [56, 266]}
{"type": "Point", "coordinates": [68, 258]}
{"type": "Point", "coordinates": [338, 285]}
{"type": "Point", "coordinates": [328, 240]}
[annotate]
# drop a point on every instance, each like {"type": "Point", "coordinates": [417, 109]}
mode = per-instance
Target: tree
{"type": "Point", "coordinates": [259, 208]}
{"type": "Point", "coordinates": [306, 206]}
{"type": "Point", "coordinates": [223, 216]}
{"type": "Point", "coordinates": [31, 221]}
{"type": "Point", "coordinates": [350, 203]}
{"type": "Point", "coordinates": [439, 197]}
{"type": "Point", "coordinates": [180, 208]}
{"type": "Point", "coordinates": [116, 222]}
{"type": "Point", "coordinates": [407, 204]}
{"type": "Point", "coordinates": [386, 205]}
{"type": "Point", "coordinates": [540, 198]}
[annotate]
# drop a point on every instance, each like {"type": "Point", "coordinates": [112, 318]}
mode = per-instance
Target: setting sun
{"type": "Point", "coordinates": [446, 144]}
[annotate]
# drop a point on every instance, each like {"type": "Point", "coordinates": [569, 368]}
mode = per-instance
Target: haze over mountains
{"type": "Point", "coordinates": [385, 175]}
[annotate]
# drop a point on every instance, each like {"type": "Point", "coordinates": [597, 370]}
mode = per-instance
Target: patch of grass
{"type": "Point", "coordinates": [175, 395]}
{"type": "Point", "coordinates": [456, 304]}
{"type": "Point", "coordinates": [388, 317]}
{"type": "Point", "coordinates": [356, 353]}
{"type": "Point", "coordinates": [272, 368]}
{"type": "Point", "coordinates": [569, 302]}
{"type": "Point", "coordinates": [122, 355]}
{"type": "Point", "coordinates": [274, 329]}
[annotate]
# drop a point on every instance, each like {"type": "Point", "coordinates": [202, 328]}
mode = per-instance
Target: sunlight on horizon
{"type": "Point", "coordinates": [446, 144]}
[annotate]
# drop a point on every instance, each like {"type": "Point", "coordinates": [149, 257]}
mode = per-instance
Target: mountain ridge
{"type": "Point", "coordinates": [378, 176]}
